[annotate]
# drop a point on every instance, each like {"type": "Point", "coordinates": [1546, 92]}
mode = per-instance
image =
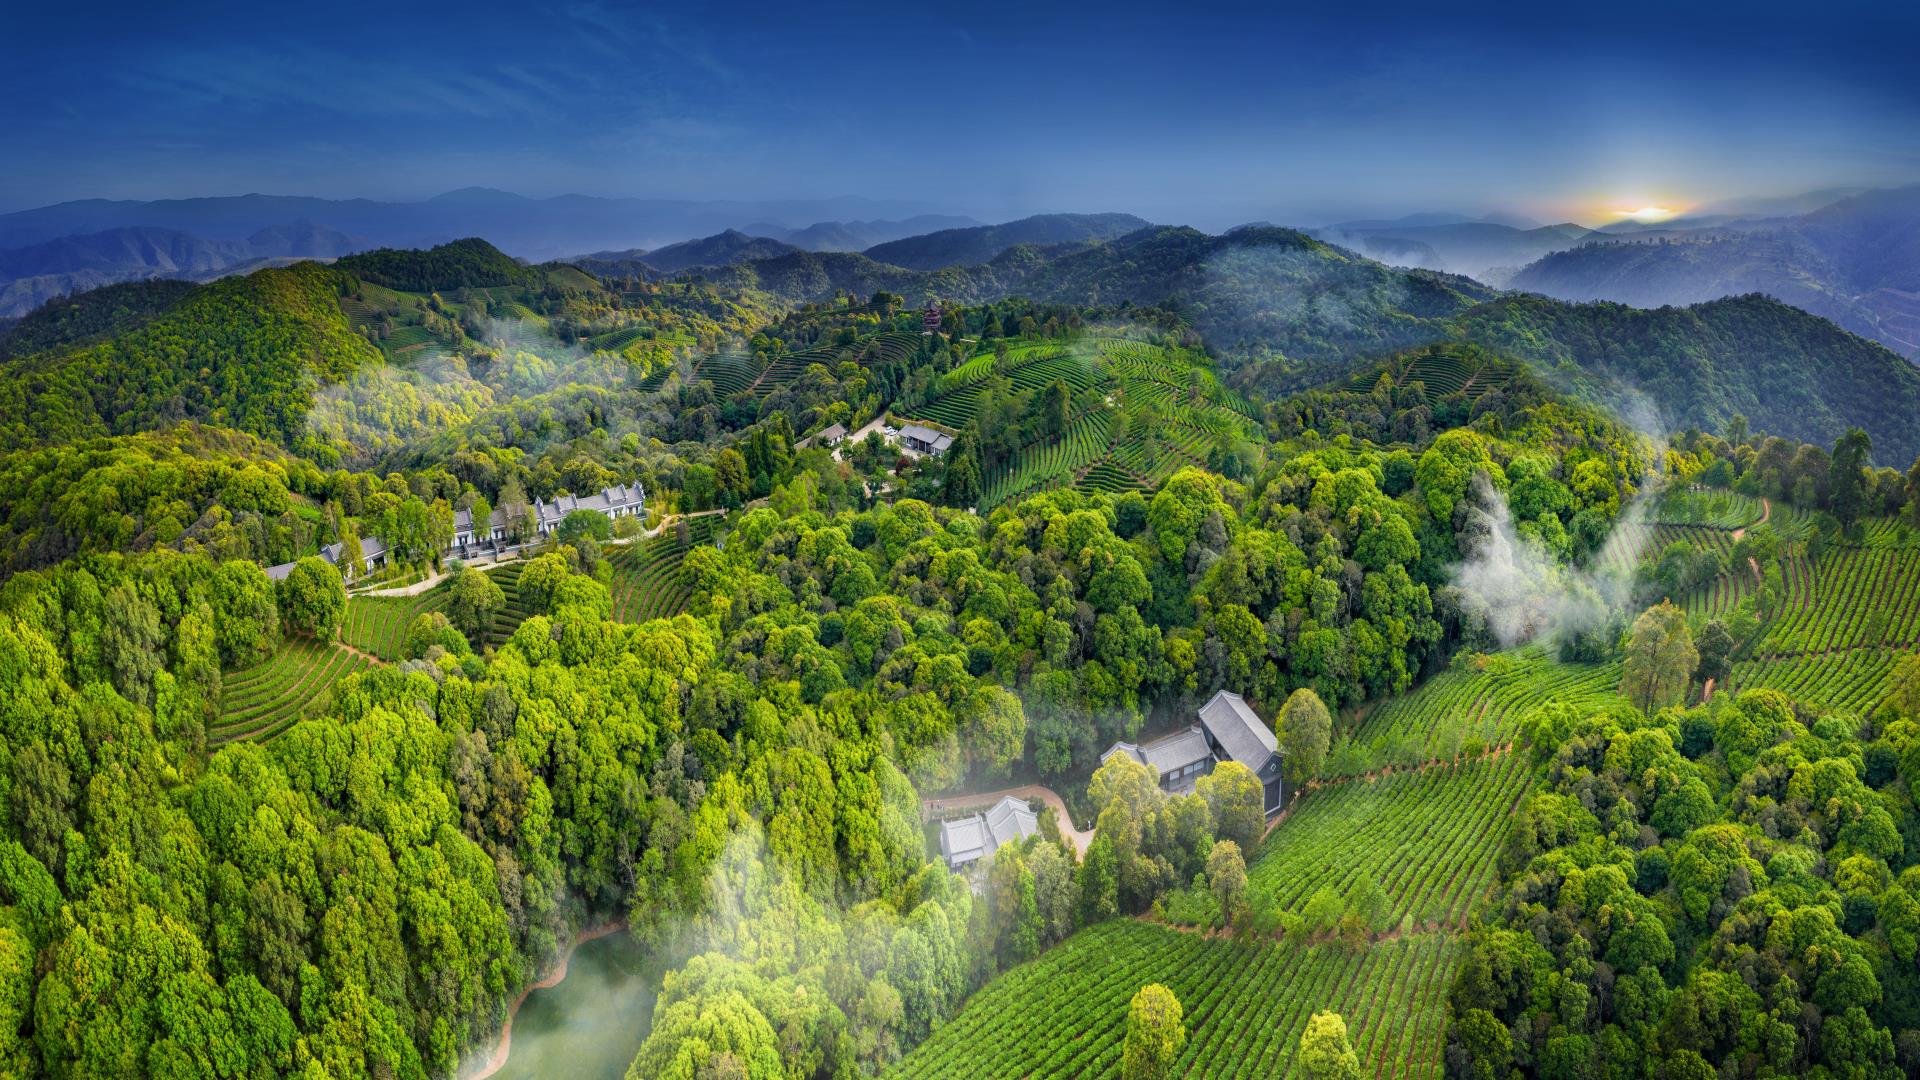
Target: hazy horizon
{"type": "Point", "coordinates": [1212, 219]}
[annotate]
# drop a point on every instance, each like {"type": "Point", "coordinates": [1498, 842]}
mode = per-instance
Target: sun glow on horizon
{"type": "Point", "coordinates": [1646, 215]}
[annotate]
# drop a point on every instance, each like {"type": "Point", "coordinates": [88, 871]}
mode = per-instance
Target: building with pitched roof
{"type": "Point", "coordinates": [1227, 730]}
{"type": "Point", "coordinates": [965, 841]}
{"type": "Point", "coordinates": [831, 435]}
{"type": "Point", "coordinates": [922, 439]}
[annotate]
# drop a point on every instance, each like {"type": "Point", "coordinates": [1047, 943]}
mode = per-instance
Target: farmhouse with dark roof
{"type": "Point", "coordinates": [1228, 730]}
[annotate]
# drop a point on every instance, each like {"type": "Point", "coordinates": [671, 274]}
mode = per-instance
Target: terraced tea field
{"type": "Point", "coordinates": [1886, 533]}
{"type": "Point", "coordinates": [378, 624]}
{"type": "Point", "coordinates": [1246, 1005]}
{"type": "Point", "coordinates": [1854, 681]}
{"type": "Point", "coordinates": [1439, 716]}
{"type": "Point", "coordinates": [1442, 375]}
{"type": "Point", "coordinates": [1189, 413]}
{"type": "Point", "coordinates": [1428, 836]}
{"type": "Point", "coordinates": [730, 373]}
{"type": "Point", "coordinates": [1719, 596]}
{"type": "Point", "coordinates": [1050, 466]}
{"type": "Point", "coordinates": [1850, 598]}
{"type": "Point", "coordinates": [1710, 507]}
{"type": "Point", "coordinates": [646, 574]}
{"type": "Point", "coordinates": [266, 699]}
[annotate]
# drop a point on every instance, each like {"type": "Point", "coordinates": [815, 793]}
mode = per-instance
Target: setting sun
{"type": "Point", "coordinates": [1647, 215]}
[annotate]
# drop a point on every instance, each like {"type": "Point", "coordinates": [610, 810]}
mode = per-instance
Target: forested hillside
{"type": "Point", "coordinates": [246, 352]}
{"type": "Point", "coordinates": [981, 244]}
{"type": "Point", "coordinates": [91, 316]}
{"type": "Point", "coordinates": [1663, 272]}
{"type": "Point", "coordinates": [1856, 261]}
{"type": "Point", "coordinates": [1285, 311]}
{"type": "Point", "coordinates": [719, 249]}
{"type": "Point", "coordinates": [1259, 292]}
{"type": "Point", "coordinates": [460, 264]}
{"type": "Point", "coordinates": [1785, 370]}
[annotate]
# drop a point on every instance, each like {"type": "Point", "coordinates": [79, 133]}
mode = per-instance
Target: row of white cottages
{"type": "Point", "coordinates": [625, 500]}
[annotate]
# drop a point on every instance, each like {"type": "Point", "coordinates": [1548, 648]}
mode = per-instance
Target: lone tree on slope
{"type": "Point", "coordinates": [1660, 658]}
{"type": "Point", "coordinates": [1156, 1033]}
{"type": "Point", "coordinates": [1305, 729]}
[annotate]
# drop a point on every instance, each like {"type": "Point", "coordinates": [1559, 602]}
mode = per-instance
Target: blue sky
{"type": "Point", "coordinates": [1202, 113]}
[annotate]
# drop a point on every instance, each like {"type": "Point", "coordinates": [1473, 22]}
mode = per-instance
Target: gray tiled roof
{"type": "Point", "coordinates": [1239, 730]}
{"type": "Point", "coordinates": [976, 836]}
{"type": "Point", "coordinates": [1176, 750]}
{"type": "Point", "coordinates": [1011, 819]}
{"type": "Point", "coordinates": [826, 436]}
{"type": "Point", "coordinates": [963, 839]}
{"type": "Point", "coordinates": [1164, 755]}
{"type": "Point", "coordinates": [939, 440]}
{"type": "Point", "coordinates": [606, 501]}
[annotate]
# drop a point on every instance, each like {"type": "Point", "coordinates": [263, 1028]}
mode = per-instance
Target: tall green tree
{"type": "Point", "coordinates": [131, 643]}
{"type": "Point", "coordinates": [1236, 802]}
{"type": "Point", "coordinates": [475, 599]}
{"type": "Point", "coordinates": [1716, 653]}
{"type": "Point", "coordinates": [1052, 409]}
{"type": "Point", "coordinates": [961, 487]}
{"type": "Point", "coordinates": [1847, 476]}
{"type": "Point", "coordinates": [1325, 1052]}
{"type": "Point", "coordinates": [313, 599]}
{"type": "Point", "coordinates": [1305, 730]}
{"type": "Point", "coordinates": [1661, 658]}
{"type": "Point", "coordinates": [1156, 1033]}
{"type": "Point", "coordinates": [584, 524]}
{"type": "Point", "coordinates": [353, 561]}
{"type": "Point", "coordinates": [1227, 877]}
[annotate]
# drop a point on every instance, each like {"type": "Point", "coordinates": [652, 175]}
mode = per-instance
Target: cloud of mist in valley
{"type": "Point", "coordinates": [1526, 593]}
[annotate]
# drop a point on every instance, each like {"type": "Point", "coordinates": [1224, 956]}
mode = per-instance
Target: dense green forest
{"type": "Point", "coordinates": [90, 316]}
{"type": "Point", "coordinates": [1785, 370]}
{"type": "Point", "coordinates": [243, 352]}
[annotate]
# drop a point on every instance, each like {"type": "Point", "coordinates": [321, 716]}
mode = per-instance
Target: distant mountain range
{"type": "Point", "coordinates": [719, 249]}
{"type": "Point", "coordinates": [32, 275]}
{"type": "Point", "coordinates": [1289, 310]}
{"type": "Point", "coordinates": [966, 246]}
{"type": "Point", "coordinates": [537, 229]}
{"type": "Point", "coordinates": [1856, 262]}
{"type": "Point", "coordinates": [855, 235]}
{"type": "Point", "coordinates": [57, 250]}
{"type": "Point", "coordinates": [1487, 250]}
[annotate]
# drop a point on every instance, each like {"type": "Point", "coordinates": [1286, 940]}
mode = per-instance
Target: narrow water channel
{"type": "Point", "coordinates": [589, 1025]}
